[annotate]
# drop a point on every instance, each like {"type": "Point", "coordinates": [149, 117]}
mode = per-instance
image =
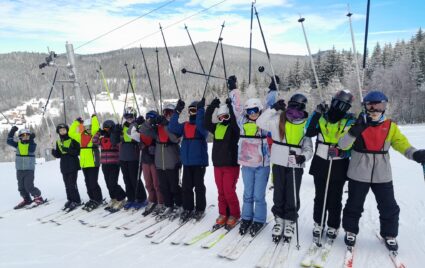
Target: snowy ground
{"type": "Point", "coordinates": [27, 243]}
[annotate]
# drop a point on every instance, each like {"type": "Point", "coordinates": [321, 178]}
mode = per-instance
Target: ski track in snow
{"type": "Point", "coordinates": [27, 243]}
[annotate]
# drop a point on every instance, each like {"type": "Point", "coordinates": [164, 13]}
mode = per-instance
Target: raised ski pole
{"type": "Point", "coordinates": [194, 48]}
{"type": "Point", "coordinates": [50, 93]}
{"type": "Point", "coordinates": [365, 44]}
{"type": "Point", "coordinates": [213, 59]}
{"type": "Point", "coordinates": [7, 119]}
{"type": "Point", "coordinates": [91, 99]}
{"type": "Point", "coordinates": [169, 59]}
{"type": "Point", "coordinates": [132, 88]}
{"type": "Point", "coordinates": [184, 71]}
{"type": "Point", "coordinates": [356, 61]}
{"type": "Point", "coordinates": [105, 83]}
{"type": "Point", "coordinates": [250, 42]}
{"type": "Point", "coordinates": [224, 64]}
{"type": "Point", "coordinates": [64, 104]}
{"type": "Point", "coordinates": [149, 78]}
{"type": "Point", "coordinates": [266, 48]}
{"type": "Point", "coordinates": [159, 79]}
{"type": "Point", "coordinates": [316, 78]}
{"type": "Point", "coordinates": [322, 219]}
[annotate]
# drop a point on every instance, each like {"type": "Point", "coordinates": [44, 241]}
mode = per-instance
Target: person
{"type": "Point", "coordinates": [225, 160]}
{"type": "Point", "coordinates": [68, 150]}
{"type": "Point", "coordinates": [129, 160]}
{"type": "Point", "coordinates": [167, 161]}
{"type": "Point", "coordinates": [194, 157]}
{"type": "Point", "coordinates": [290, 150]}
{"type": "Point", "coordinates": [273, 94]}
{"type": "Point", "coordinates": [147, 144]}
{"type": "Point", "coordinates": [83, 132]}
{"type": "Point", "coordinates": [370, 139]}
{"type": "Point", "coordinates": [254, 157]}
{"type": "Point", "coordinates": [329, 124]}
{"type": "Point", "coordinates": [25, 166]}
{"type": "Point", "coordinates": [109, 159]}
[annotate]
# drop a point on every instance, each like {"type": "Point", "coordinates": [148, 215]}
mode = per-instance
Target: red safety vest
{"type": "Point", "coordinates": [106, 144]}
{"type": "Point", "coordinates": [189, 130]}
{"type": "Point", "coordinates": [146, 140]}
{"type": "Point", "coordinates": [162, 135]}
{"type": "Point", "coordinates": [374, 137]}
{"type": "Point", "coordinates": [85, 139]}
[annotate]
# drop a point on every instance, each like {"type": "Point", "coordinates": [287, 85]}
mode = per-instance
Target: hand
{"type": "Point", "coordinates": [118, 128]}
{"type": "Point", "coordinates": [279, 105]}
{"type": "Point", "coordinates": [419, 156]}
{"type": "Point", "coordinates": [215, 103]}
{"type": "Point", "coordinates": [179, 106]}
{"type": "Point", "coordinates": [161, 120]}
{"type": "Point", "coordinates": [201, 104]}
{"type": "Point", "coordinates": [32, 136]}
{"type": "Point", "coordinates": [322, 108]}
{"type": "Point", "coordinates": [359, 126]}
{"type": "Point", "coordinates": [229, 101]}
{"type": "Point", "coordinates": [140, 120]}
{"type": "Point", "coordinates": [336, 152]}
{"type": "Point", "coordinates": [295, 159]}
{"type": "Point", "coordinates": [14, 129]}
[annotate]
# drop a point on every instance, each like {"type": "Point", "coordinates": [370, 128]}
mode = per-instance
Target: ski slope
{"type": "Point", "coordinates": [27, 243]}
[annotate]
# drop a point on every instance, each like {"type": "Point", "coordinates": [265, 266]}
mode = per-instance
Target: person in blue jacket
{"type": "Point", "coordinates": [194, 157]}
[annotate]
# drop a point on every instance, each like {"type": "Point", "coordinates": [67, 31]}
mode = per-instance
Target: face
{"type": "Point", "coordinates": [375, 110]}
{"type": "Point", "coordinates": [167, 113]}
{"type": "Point", "coordinates": [63, 131]}
{"type": "Point", "coordinates": [223, 117]}
{"type": "Point", "coordinates": [87, 129]}
{"type": "Point", "coordinates": [25, 137]}
{"type": "Point", "coordinates": [254, 116]}
{"type": "Point", "coordinates": [192, 110]}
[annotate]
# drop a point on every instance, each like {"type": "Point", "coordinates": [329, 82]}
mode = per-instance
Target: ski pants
{"type": "Point", "coordinates": [91, 176]}
{"type": "Point", "coordinates": [134, 187]}
{"type": "Point", "coordinates": [152, 184]}
{"type": "Point", "coordinates": [26, 184]}
{"type": "Point", "coordinates": [226, 179]}
{"type": "Point", "coordinates": [333, 200]}
{"type": "Point", "coordinates": [283, 195]}
{"type": "Point", "coordinates": [71, 187]}
{"type": "Point", "coordinates": [388, 209]}
{"type": "Point", "coordinates": [111, 173]}
{"type": "Point", "coordinates": [170, 188]}
{"type": "Point", "coordinates": [193, 177]}
{"type": "Point", "coordinates": [254, 195]}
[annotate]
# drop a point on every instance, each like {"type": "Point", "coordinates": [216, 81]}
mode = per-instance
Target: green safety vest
{"type": "Point", "coordinates": [294, 133]}
{"type": "Point", "coordinates": [250, 129]}
{"type": "Point", "coordinates": [23, 148]}
{"type": "Point", "coordinates": [220, 131]}
{"type": "Point", "coordinates": [332, 132]}
{"type": "Point", "coordinates": [125, 135]}
{"type": "Point", "coordinates": [66, 144]}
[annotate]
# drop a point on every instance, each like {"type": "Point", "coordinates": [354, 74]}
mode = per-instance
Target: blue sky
{"type": "Point", "coordinates": [33, 25]}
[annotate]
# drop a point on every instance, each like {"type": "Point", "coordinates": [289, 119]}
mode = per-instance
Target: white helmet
{"type": "Point", "coordinates": [253, 103]}
{"type": "Point", "coordinates": [130, 112]}
{"type": "Point", "coordinates": [24, 131]}
{"type": "Point", "coordinates": [223, 109]}
{"type": "Point", "coordinates": [169, 106]}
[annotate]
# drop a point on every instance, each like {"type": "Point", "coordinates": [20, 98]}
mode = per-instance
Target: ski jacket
{"type": "Point", "coordinates": [89, 152]}
{"type": "Point", "coordinates": [226, 138]}
{"type": "Point", "coordinates": [167, 149]}
{"type": "Point", "coordinates": [294, 139]}
{"type": "Point", "coordinates": [109, 152]}
{"type": "Point", "coordinates": [129, 149]}
{"type": "Point", "coordinates": [370, 160]}
{"type": "Point", "coordinates": [253, 149]}
{"type": "Point", "coordinates": [194, 148]}
{"type": "Point", "coordinates": [25, 152]}
{"type": "Point", "coordinates": [68, 150]}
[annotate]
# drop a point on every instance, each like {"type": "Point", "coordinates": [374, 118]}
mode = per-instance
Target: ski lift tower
{"type": "Point", "coordinates": [74, 77]}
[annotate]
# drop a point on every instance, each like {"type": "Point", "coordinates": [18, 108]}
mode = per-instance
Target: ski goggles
{"type": "Point", "coordinates": [340, 105]}
{"type": "Point", "coordinates": [223, 117]}
{"type": "Point", "coordinates": [151, 115]}
{"type": "Point", "coordinates": [296, 105]}
{"type": "Point", "coordinates": [192, 110]}
{"type": "Point", "coordinates": [251, 111]}
{"type": "Point", "coordinates": [24, 135]}
{"type": "Point", "coordinates": [375, 107]}
{"type": "Point", "coordinates": [128, 116]}
{"type": "Point", "coordinates": [167, 112]}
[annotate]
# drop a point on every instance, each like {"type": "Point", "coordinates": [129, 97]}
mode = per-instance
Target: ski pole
{"type": "Point", "coordinates": [194, 48]}
{"type": "Point", "coordinates": [50, 93]}
{"type": "Point", "coordinates": [184, 71]}
{"type": "Point", "coordinates": [224, 64]}
{"type": "Point", "coordinates": [356, 61]}
{"type": "Point", "coordinates": [365, 43]}
{"type": "Point", "coordinates": [169, 59]}
{"type": "Point", "coordinates": [423, 168]}
{"type": "Point", "coordinates": [107, 90]}
{"type": "Point", "coordinates": [250, 42]}
{"type": "Point", "coordinates": [91, 99]}
{"type": "Point", "coordinates": [316, 78]}
{"type": "Point", "coordinates": [133, 79]}
{"type": "Point", "coordinates": [132, 88]}
{"type": "Point", "coordinates": [64, 104]}
{"type": "Point", "coordinates": [322, 219]}
{"type": "Point", "coordinates": [266, 48]}
{"type": "Point", "coordinates": [159, 79]}
{"type": "Point", "coordinates": [7, 119]}
{"type": "Point", "coordinates": [149, 78]}
{"type": "Point", "coordinates": [296, 207]}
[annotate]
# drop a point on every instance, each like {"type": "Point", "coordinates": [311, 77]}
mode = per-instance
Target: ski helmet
{"type": "Point", "coordinates": [193, 107]}
{"type": "Point", "coordinates": [130, 112]}
{"type": "Point", "coordinates": [253, 106]}
{"type": "Point", "coordinates": [223, 113]}
{"type": "Point", "coordinates": [232, 82]}
{"type": "Point", "coordinates": [108, 124]}
{"type": "Point", "coordinates": [272, 86]}
{"type": "Point", "coordinates": [62, 125]}
{"type": "Point", "coordinates": [298, 101]}
{"type": "Point", "coordinates": [375, 101]}
{"type": "Point", "coordinates": [342, 100]}
{"type": "Point", "coordinates": [168, 109]}
{"type": "Point", "coordinates": [24, 131]}
{"type": "Point", "coordinates": [151, 114]}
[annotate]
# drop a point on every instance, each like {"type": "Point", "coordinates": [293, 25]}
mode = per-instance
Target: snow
{"type": "Point", "coordinates": [27, 243]}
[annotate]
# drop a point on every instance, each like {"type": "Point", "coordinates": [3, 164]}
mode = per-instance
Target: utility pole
{"type": "Point", "coordinates": [74, 77]}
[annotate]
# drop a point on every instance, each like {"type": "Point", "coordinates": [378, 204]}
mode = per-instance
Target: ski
{"type": "Point", "coordinates": [133, 222]}
{"type": "Point", "coordinates": [172, 229]}
{"type": "Point", "coordinates": [310, 255]}
{"type": "Point", "coordinates": [144, 227]}
{"type": "Point", "coordinates": [268, 255]}
{"type": "Point", "coordinates": [34, 205]}
{"type": "Point", "coordinates": [324, 252]}
{"type": "Point", "coordinates": [48, 217]}
{"type": "Point", "coordinates": [392, 254]}
{"type": "Point", "coordinates": [61, 219]}
{"type": "Point", "coordinates": [283, 253]}
{"type": "Point", "coordinates": [349, 257]}
{"type": "Point", "coordinates": [214, 240]}
{"type": "Point", "coordinates": [201, 236]}
{"type": "Point", "coordinates": [157, 228]}
{"type": "Point", "coordinates": [231, 247]}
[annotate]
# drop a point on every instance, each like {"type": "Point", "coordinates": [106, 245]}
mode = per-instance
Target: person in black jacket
{"type": "Point", "coordinates": [225, 160]}
{"type": "Point", "coordinates": [68, 150]}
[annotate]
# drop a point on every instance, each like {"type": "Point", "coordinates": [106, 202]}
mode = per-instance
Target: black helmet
{"type": "Point", "coordinates": [342, 100]}
{"type": "Point", "coordinates": [62, 125]}
{"type": "Point", "coordinates": [298, 101]}
{"type": "Point", "coordinates": [193, 104]}
{"type": "Point", "coordinates": [108, 124]}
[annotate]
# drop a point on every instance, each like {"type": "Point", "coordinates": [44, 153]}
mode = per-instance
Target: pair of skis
{"type": "Point", "coordinates": [276, 254]}
{"type": "Point", "coordinates": [316, 255]}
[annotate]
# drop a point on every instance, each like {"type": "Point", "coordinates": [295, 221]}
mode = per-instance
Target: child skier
{"type": "Point", "coordinates": [83, 132]}
{"type": "Point", "coordinates": [290, 150]}
{"type": "Point", "coordinates": [25, 166]}
{"type": "Point", "coordinates": [109, 158]}
{"type": "Point", "coordinates": [68, 150]}
{"type": "Point", "coordinates": [194, 157]}
{"type": "Point", "coordinates": [370, 138]}
{"type": "Point", "coordinates": [225, 159]}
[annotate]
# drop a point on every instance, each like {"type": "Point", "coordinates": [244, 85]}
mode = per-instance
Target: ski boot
{"type": "Point", "coordinates": [91, 205]}
{"type": "Point", "coordinates": [277, 229]}
{"type": "Point", "coordinates": [118, 205]}
{"type": "Point", "coordinates": [231, 222]}
{"type": "Point", "coordinates": [391, 243]}
{"type": "Point", "coordinates": [66, 205]}
{"type": "Point", "coordinates": [220, 222]}
{"type": "Point", "coordinates": [255, 228]}
{"type": "Point", "coordinates": [185, 216]}
{"type": "Point", "coordinates": [159, 209]}
{"type": "Point", "coordinates": [149, 209]}
{"type": "Point", "coordinates": [331, 233]}
{"type": "Point", "coordinates": [72, 206]}
{"type": "Point", "coordinates": [38, 200]}
{"type": "Point", "coordinates": [245, 224]}
{"type": "Point", "coordinates": [23, 204]}
{"type": "Point", "coordinates": [165, 214]}
{"type": "Point", "coordinates": [317, 232]}
{"type": "Point", "coordinates": [199, 215]}
{"type": "Point", "coordinates": [177, 211]}
{"type": "Point", "coordinates": [128, 205]}
{"type": "Point", "coordinates": [139, 204]}
{"type": "Point", "coordinates": [350, 239]}
{"type": "Point", "coordinates": [110, 204]}
{"type": "Point", "coordinates": [289, 229]}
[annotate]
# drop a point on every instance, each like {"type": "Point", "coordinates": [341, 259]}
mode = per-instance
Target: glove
{"type": "Point", "coordinates": [79, 119]}
{"type": "Point", "coordinates": [229, 101]}
{"type": "Point", "coordinates": [419, 156]}
{"type": "Point", "coordinates": [103, 132]}
{"type": "Point", "coordinates": [201, 104]}
{"type": "Point", "coordinates": [180, 106]}
{"type": "Point", "coordinates": [295, 159]}
{"type": "Point", "coordinates": [336, 152]}
{"type": "Point", "coordinates": [140, 120]}
{"type": "Point", "coordinates": [322, 108]}
{"type": "Point", "coordinates": [279, 105]}
{"type": "Point", "coordinates": [118, 128]}
{"type": "Point", "coordinates": [215, 103]}
{"type": "Point", "coordinates": [359, 126]}
{"type": "Point", "coordinates": [32, 136]}
{"type": "Point", "coordinates": [161, 120]}
{"type": "Point", "coordinates": [14, 129]}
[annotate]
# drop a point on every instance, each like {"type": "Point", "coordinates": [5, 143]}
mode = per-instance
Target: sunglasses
{"type": "Point", "coordinates": [192, 110]}
{"type": "Point", "coordinates": [128, 116]}
{"type": "Point", "coordinates": [251, 111]}
{"type": "Point", "coordinates": [24, 135]}
{"type": "Point", "coordinates": [340, 105]}
{"type": "Point", "coordinates": [223, 117]}
{"type": "Point", "coordinates": [376, 106]}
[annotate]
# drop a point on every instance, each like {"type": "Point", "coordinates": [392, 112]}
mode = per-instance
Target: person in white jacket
{"type": "Point", "coordinates": [290, 150]}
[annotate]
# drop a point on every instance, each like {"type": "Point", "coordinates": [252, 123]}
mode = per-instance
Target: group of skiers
{"type": "Point", "coordinates": [250, 137]}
